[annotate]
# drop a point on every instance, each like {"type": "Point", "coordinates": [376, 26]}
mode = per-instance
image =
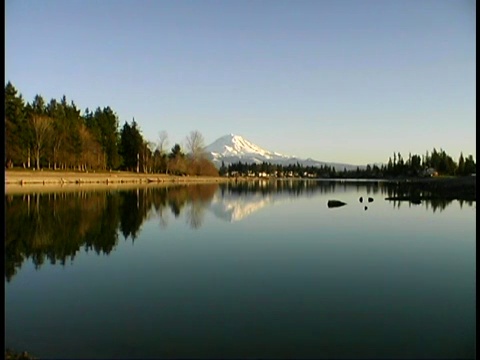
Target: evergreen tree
{"type": "Point", "coordinates": [461, 165]}
{"type": "Point", "coordinates": [470, 166]}
{"type": "Point", "coordinates": [223, 169]}
{"type": "Point", "coordinates": [131, 143]}
{"type": "Point", "coordinates": [18, 133]}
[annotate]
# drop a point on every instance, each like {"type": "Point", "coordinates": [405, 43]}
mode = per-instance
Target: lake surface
{"type": "Point", "coordinates": [254, 270]}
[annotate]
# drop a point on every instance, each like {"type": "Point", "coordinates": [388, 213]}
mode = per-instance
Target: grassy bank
{"type": "Point", "coordinates": [24, 181]}
{"type": "Point", "coordinates": [26, 177]}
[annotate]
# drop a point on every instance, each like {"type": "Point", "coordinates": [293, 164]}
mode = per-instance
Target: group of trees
{"type": "Point", "coordinates": [56, 135]}
{"type": "Point", "coordinates": [414, 166]}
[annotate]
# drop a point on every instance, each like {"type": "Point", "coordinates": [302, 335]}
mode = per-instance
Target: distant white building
{"type": "Point", "coordinates": [430, 172]}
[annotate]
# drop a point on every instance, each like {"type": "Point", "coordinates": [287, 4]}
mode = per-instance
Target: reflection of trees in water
{"type": "Point", "coordinates": [297, 187]}
{"type": "Point", "coordinates": [199, 198]}
{"type": "Point", "coordinates": [434, 196]}
{"type": "Point", "coordinates": [54, 227]}
{"type": "Point", "coordinates": [412, 194]}
{"type": "Point", "coordinates": [133, 211]}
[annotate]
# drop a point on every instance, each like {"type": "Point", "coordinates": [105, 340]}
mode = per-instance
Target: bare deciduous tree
{"type": "Point", "coordinates": [195, 145]}
{"type": "Point", "coordinates": [162, 141]}
{"type": "Point", "coordinates": [91, 148]}
{"type": "Point", "coordinates": [42, 126]}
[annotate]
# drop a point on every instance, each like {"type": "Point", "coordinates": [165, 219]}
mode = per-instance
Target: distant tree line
{"type": "Point", "coordinates": [56, 135]}
{"type": "Point", "coordinates": [430, 164]}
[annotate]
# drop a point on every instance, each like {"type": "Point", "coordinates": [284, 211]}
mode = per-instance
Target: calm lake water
{"type": "Point", "coordinates": [262, 270]}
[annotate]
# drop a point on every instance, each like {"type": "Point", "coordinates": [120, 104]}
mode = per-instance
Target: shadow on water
{"type": "Point", "coordinates": [54, 227]}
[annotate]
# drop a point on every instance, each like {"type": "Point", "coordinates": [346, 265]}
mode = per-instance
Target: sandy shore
{"type": "Point", "coordinates": [18, 181]}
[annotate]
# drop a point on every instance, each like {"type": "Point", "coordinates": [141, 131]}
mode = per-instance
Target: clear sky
{"type": "Point", "coordinates": [339, 80]}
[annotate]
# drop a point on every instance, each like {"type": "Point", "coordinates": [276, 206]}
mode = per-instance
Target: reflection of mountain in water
{"type": "Point", "coordinates": [235, 208]}
{"type": "Point", "coordinates": [235, 201]}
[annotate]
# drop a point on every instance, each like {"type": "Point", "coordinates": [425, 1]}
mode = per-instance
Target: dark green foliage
{"type": "Point", "coordinates": [131, 142]}
{"type": "Point", "coordinates": [18, 132]}
{"type": "Point", "coordinates": [223, 169]}
{"type": "Point", "coordinates": [470, 166]}
{"type": "Point", "coordinates": [176, 152]}
{"type": "Point", "coordinates": [104, 125]}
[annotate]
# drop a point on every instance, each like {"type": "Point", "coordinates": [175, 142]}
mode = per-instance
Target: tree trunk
{"type": "Point", "coordinates": [37, 155]}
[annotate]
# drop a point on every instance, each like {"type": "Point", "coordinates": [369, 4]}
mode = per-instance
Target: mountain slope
{"type": "Point", "coordinates": [234, 148]}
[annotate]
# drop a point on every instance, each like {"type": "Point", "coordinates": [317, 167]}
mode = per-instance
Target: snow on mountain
{"type": "Point", "coordinates": [234, 148]}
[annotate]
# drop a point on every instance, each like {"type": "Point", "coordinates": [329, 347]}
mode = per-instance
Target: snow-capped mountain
{"type": "Point", "coordinates": [239, 147]}
{"type": "Point", "coordinates": [234, 148]}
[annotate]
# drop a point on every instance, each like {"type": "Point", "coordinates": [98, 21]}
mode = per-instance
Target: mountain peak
{"type": "Point", "coordinates": [232, 145]}
{"type": "Point", "coordinates": [232, 148]}
{"type": "Point", "coordinates": [230, 136]}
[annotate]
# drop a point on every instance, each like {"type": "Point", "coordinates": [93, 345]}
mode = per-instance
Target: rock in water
{"type": "Point", "coordinates": [335, 203]}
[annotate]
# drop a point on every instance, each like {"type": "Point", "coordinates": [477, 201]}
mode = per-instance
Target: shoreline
{"type": "Point", "coordinates": [24, 181]}
{"type": "Point", "coordinates": [21, 181]}
{"type": "Point", "coordinates": [28, 177]}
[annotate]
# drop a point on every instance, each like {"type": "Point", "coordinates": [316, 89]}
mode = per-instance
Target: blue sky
{"type": "Point", "coordinates": [343, 81]}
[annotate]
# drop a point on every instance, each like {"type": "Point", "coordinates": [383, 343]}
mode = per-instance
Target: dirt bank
{"type": "Point", "coordinates": [62, 177]}
{"type": "Point", "coordinates": [15, 180]}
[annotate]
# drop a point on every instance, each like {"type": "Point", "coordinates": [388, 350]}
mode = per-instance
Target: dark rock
{"type": "Point", "coordinates": [370, 199]}
{"type": "Point", "coordinates": [361, 199]}
{"type": "Point", "coordinates": [335, 203]}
